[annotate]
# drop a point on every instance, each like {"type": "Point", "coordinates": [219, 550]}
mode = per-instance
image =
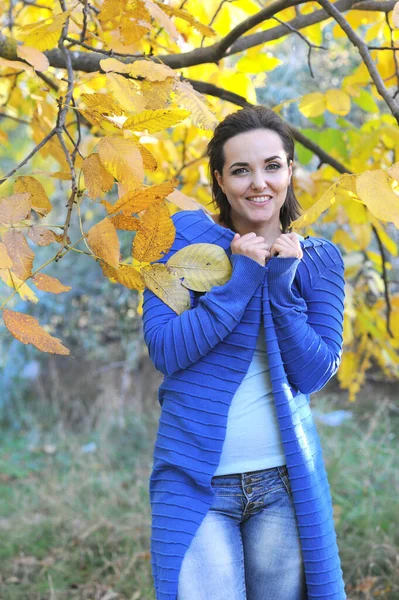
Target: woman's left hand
{"type": "Point", "coordinates": [287, 246]}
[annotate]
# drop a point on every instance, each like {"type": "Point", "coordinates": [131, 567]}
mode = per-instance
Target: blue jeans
{"type": "Point", "coordinates": [247, 547]}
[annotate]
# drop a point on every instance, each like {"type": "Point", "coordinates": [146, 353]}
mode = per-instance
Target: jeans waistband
{"type": "Point", "coordinates": [262, 473]}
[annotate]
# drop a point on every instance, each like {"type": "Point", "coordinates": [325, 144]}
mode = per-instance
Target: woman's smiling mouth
{"type": "Point", "coordinates": [259, 199]}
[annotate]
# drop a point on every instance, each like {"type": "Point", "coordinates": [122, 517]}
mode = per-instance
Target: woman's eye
{"type": "Point", "coordinates": [273, 166]}
{"type": "Point", "coordinates": [239, 171]}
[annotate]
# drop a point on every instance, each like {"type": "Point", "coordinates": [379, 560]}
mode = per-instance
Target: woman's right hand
{"type": "Point", "coordinates": [251, 245]}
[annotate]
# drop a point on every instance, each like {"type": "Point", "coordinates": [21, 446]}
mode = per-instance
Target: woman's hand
{"type": "Point", "coordinates": [251, 245]}
{"type": "Point", "coordinates": [287, 246]}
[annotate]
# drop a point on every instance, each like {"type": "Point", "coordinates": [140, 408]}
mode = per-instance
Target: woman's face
{"type": "Point", "coordinates": [255, 178]}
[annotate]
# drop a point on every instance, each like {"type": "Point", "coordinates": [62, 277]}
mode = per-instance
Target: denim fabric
{"type": "Point", "coordinates": [247, 547]}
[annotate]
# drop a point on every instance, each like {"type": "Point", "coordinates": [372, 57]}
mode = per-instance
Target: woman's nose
{"type": "Point", "coordinates": [258, 181]}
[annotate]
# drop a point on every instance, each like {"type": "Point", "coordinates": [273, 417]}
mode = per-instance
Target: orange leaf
{"type": "Point", "coordinates": [156, 234]}
{"type": "Point", "coordinates": [126, 222]}
{"type": "Point", "coordinates": [42, 236]}
{"type": "Point", "coordinates": [103, 240]}
{"type": "Point", "coordinates": [19, 252]}
{"type": "Point", "coordinates": [149, 161]}
{"type": "Point", "coordinates": [135, 202]}
{"type": "Point", "coordinates": [27, 330]}
{"type": "Point", "coordinates": [49, 284]}
{"type": "Point", "coordinates": [14, 208]}
{"type": "Point", "coordinates": [125, 275]}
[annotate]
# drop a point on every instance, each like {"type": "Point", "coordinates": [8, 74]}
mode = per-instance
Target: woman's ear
{"type": "Point", "coordinates": [219, 179]}
{"type": "Point", "coordinates": [290, 169]}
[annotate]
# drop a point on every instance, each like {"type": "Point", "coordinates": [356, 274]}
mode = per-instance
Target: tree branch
{"type": "Point", "coordinates": [212, 90]}
{"type": "Point", "coordinates": [90, 61]}
{"type": "Point", "coordinates": [364, 53]}
{"type": "Point", "coordinates": [36, 149]}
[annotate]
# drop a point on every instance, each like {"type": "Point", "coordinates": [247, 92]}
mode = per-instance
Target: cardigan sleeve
{"type": "Point", "coordinates": [307, 304]}
{"type": "Point", "coordinates": [177, 341]}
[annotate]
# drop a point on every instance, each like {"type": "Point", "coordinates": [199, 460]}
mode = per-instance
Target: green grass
{"type": "Point", "coordinates": [77, 525]}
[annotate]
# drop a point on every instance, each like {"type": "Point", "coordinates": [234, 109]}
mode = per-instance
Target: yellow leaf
{"type": "Point", "coordinates": [40, 202]}
{"type": "Point", "coordinates": [27, 330]}
{"type": "Point", "coordinates": [155, 120]}
{"type": "Point", "coordinates": [162, 18]}
{"type": "Point", "coordinates": [187, 97]}
{"type": "Point", "coordinates": [186, 16]}
{"type": "Point", "coordinates": [97, 179]}
{"type": "Point", "coordinates": [127, 92]}
{"type": "Point", "coordinates": [313, 213]}
{"type": "Point", "coordinates": [135, 202]}
{"type": "Point", "coordinates": [45, 34]}
{"type": "Point", "coordinates": [46, 283]}
{"type": "Point", "coordinates": [375, 190]}
{"type": "Point", "coordinates": [102, 104]}
{"type": "Point", "coordinates": [156, 234]}
{"type": "Point", "coordinates": [344, 239]}
{"type": "Point", "coordinates": [34, 57]}
{"type": "Point", "coordinates": [338, 102]}
{"type": "Point", "coordinates": [19, 252]}
{"type": "Point", "coordinates": [201, 265]}
{"type": "Point", "coordinates": [125, 275]}
{"type": "Point", "coordinates": [135, 24]}
{"type": "Point", "coordinates": [122, 159]}
{"type": "Point", "coordinates": [42, 236]}
{"type": "Point", "coordinates": [103, 240]}
{"type": "Point", "coordinates": [15, 208]}
{"type": "Point", "coordinates": [259, 63]}
{"type": "Point", "coordinates": [15, 282]}
{"type": "Point", "coordinates": [5, 260]}
{"type": "Point", "coordinates": [312, 105]}
{"type": "Point", "coordinates": [167, 287]}
{"type": "Point", "coordinates": [362, 233]}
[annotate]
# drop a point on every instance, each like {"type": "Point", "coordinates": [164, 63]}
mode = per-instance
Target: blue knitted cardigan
{"type": "Point", "coordinates": [204, 354]}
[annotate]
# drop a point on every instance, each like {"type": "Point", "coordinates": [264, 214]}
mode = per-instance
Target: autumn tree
{"type": "Point", "coordinates": [117, 99]}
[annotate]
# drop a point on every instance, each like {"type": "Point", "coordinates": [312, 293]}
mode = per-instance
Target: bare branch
{"type": "Point", "coordinates": [22, 163]}
{"type": "Point", "coordinates": [364, 53]}
{"type": "Point", "coordinates": [395, 58]}
{"type": "Point", "coordinates": [311, 46]}
{"type": "Point", "coordinates": [6, 116]}
{"type": "Point", "coordinates": [385, 280]}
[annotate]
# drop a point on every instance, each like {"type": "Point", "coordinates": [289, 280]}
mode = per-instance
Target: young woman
{"type": "Point", "coordinates": [240, 501]}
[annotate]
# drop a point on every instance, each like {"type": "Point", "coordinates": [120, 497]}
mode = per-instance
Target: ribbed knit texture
{"type": "Point", "coordinates": [204, 354]}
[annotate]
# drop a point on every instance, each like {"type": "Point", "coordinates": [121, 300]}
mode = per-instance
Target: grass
{"type": "Point", "coordinates": [76, 524]}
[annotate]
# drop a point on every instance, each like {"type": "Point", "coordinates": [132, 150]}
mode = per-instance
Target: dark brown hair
{"type": "Point", "coordinates": [241, 121]}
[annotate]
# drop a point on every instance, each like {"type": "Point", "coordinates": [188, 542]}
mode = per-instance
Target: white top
{"type": "Point", "coordinates": [253, 440]}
